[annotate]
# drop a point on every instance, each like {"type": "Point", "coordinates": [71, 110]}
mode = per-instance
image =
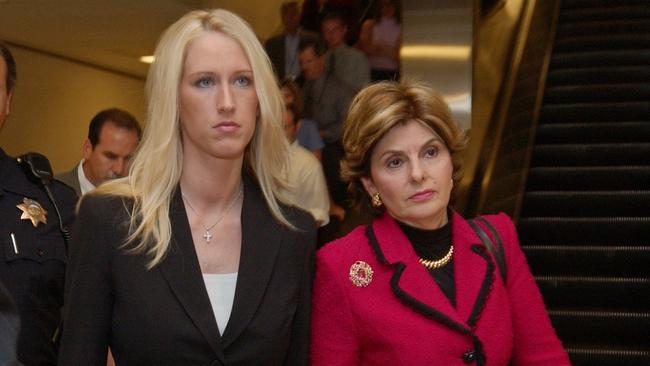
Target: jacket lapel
{"type": "Point", "coordinates": [473, 270]}
{"type": "Point", "coordinates": [261, 241]}
{"type": "Point", "coordinates": [181, 269]}
{"type": "Point", "coordinates": [413, 285]}
{"type": "Point", "coordinates": [411, 282]}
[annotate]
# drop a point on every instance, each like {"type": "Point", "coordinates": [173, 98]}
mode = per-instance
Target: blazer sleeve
{"type": "Point", "coordinates": [299, 347]}
{"type": "Point", "coordinates": [535, 341]}
{"type": "Point", "coordinates": [88, 297]}
{"type": "Point", "coordinates": [333, 334]}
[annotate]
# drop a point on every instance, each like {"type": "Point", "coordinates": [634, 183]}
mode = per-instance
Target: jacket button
{"type": "Point", "coordinates": [469, 356]}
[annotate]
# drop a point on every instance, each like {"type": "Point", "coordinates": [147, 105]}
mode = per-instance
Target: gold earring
{"type": "Point", "coordinates": [376, 201]}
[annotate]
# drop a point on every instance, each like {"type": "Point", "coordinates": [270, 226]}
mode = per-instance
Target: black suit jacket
{"type": "Point", "coordinates": [163, 316]}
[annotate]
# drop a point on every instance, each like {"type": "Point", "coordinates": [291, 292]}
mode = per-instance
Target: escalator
{"type": "Point", "coordinates": [585, 218]}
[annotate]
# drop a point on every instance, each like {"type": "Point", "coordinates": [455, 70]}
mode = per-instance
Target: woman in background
{"type": "Point", "coordinates": [417, 286]}
{"type": "Point", "coordinates": [193, 259]}
{"type": "Point", "coordinates": [381, 39]}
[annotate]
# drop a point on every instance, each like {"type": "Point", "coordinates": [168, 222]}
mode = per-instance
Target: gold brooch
{"type": "Point", "coordinates": [32, 210]}
{"type": "Point", "coordinates": [360, 274]}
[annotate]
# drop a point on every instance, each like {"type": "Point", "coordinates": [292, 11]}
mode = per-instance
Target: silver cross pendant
{"type": "Point", "coordinates": [207, 236]}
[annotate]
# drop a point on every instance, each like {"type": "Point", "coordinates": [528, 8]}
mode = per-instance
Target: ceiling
{"type": "Point", "coordinates": [113, 34]}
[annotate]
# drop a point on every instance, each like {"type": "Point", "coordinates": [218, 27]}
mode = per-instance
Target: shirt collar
{"type": "Point", "coordinates": [84, 184]}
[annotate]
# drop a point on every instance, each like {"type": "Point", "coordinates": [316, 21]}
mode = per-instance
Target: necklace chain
{"type": "Point", "coordinates": [435, 264]}
{"type": "Point", "coordinates": [207, 236]}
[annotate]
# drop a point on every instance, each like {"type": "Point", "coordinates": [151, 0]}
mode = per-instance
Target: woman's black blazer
{"type": "Point", "coordinates": [163, 316]}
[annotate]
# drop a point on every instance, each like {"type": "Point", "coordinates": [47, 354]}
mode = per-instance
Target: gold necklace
{"type": "Point", "coordinates": [435, 264]}
{"type": "Point", "coordinates": [207, 236]}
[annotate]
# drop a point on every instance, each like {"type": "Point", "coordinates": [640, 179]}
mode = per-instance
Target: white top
{"type": "Point", "coordinates": [308, 189]}
{"type": "Point", "coordinates": [221, 291]}
{"type": "Point", "coordinates": [84, 183]}
{"type": "Point", "coordinates": [386, 32]}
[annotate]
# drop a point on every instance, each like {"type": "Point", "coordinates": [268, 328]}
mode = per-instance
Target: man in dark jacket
{"type": "Point", "coordinates": [283, 48]}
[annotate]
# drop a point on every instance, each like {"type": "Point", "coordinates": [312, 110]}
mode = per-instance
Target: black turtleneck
{"type": "Point", "coordinates": [433, 245]}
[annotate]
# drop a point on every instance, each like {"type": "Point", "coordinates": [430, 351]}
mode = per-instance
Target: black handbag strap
{"type": "Point", "coordinates": [495, 248]}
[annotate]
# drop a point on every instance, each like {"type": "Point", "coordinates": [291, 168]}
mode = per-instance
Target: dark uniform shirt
{"type": "Point", "coordinates": [32, 258]}
{"type": "Point", "coordinates": [9, 327]}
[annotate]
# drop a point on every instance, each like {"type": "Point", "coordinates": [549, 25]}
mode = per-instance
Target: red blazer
{"type": "Point", "coordinates": [403, 318]}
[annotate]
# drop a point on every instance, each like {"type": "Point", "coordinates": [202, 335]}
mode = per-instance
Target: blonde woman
{"type": "Point", "coordinates": [193, 259]}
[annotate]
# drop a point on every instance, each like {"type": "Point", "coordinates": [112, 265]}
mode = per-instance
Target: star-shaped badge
{"type": "Point", "coordinates": [32, 210]}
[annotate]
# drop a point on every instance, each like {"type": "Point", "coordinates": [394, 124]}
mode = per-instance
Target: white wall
{"type": "Point", "coordinates": [54, 101]}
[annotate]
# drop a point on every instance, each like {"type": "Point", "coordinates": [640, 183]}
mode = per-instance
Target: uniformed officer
{"type": "Point", "coordinates": [9, 327]}
{"type": "Point", "coordinates": [32, 248]}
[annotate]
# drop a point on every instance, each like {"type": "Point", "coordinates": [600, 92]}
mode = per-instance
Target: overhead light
{"type": "Point", "coordinates": [436, 52]}
{"type": "Point", "coordinates": [145, 59]}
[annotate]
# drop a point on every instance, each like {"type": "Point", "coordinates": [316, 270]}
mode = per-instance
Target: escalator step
{"type": "Point", "coordinates": [591, 59]}
{"type": "Point", "coordinates": [602, 43]}
{"type": "Point", "coordinates": [611, 328]}
{"type": "Point", "coordinates": [595, 112]}
{"type": "Point", "coordinates": [574, 4]}
{"type": "Point", "coordinates": [588, 260]}
{"type": "Point", "coordinates": [604, 27]}
{"type": "Point", "coordinates": [586, 203]}
{"type": "Point", "coordinates": [606, 132]}
{"type": "Point", "coordinates": [598, 75]}
{"type": "Point", "coordinates": [612, 293]}
{"type": "Point", "coordinates": [637, 153]}
{"type": "Point", "coordinates": [584, 230]}
{"type": "Point", "coordinates": [614, 11]}
{"type": "Point", "coordinates": [630, 92]}
{"type": "Point", "coordinates": [589, 355]}
{"type": "Point", "coordinates": [609, 178]}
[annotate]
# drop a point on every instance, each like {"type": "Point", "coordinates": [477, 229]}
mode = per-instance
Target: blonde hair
{"type": "Point", "coordinates": [376, 110]}
{"type": "Point", "coordinates": [157, 165]}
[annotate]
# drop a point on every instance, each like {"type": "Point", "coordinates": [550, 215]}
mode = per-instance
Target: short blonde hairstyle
{"type": "Point", "coordinates": [375, 111]}
{"type": "Point", "coordinates": [157, 165]}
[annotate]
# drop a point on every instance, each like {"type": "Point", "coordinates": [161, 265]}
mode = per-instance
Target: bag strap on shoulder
{"type": "Point", "coordinates": [494, 247]}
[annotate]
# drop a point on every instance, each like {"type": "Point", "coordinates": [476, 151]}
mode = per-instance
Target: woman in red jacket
{"type": "Point", "coordinates": [417, 286]}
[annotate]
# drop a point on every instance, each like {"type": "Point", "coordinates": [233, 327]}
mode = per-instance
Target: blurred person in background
{"type": "Point", "coordinates": [283, 48]}
{"type": "Point", "coordinates": [381, 38]}
{"type": "Point", "coordinates": [326, 99]}
{"type": "Point", "coordinates": [346, 63]}
{"type": "Point", "coordinates": [113, 136]}
{"type": "Point", "coordinates": [308, 135]}
{"type": "Point", "coordinates": [307, 188]}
